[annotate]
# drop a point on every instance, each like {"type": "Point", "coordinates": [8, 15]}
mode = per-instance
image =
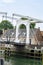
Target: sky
{"type": "Point", "coordinates": [32, 8]}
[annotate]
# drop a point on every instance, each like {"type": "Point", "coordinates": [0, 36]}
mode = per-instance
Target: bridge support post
{"type": "Point", "coordinates": [27, 24]}
{"type": "Point", "coordinates": [17, 34]}
{"type": "Point", "coordinates": [27, 38]}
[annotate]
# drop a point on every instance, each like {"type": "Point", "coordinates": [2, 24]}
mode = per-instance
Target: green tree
{"type": "Point", "coordinates": [24, 18]}
{"type": "Point", "coordinates": [32, 25]}
{"type": "Point", "coordinates": [5, 24]}
{"type": "Point", "coordinates": [22, 26]}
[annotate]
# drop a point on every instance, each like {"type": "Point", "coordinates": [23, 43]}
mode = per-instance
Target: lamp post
{"type": "Point", "coordinates": [12, 17]}
{"type": "Point", "coordinates": [6, 15]}
{"type": "Point", "coordinates": [3, 13]}
{"type": "Point", "coordinates": [8, 39]}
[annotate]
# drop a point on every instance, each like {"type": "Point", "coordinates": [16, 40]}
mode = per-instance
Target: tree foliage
{"type": "Point", "coordinates": [24, 18]}
{"type": "Point", "coordinates": [5, 24]}
{"type": "Point", "coordinates": [1, 32]}
{"type": "Point", "coordinates": [22, 26]}
{"type": "Point", "coordinates": [32, 25]}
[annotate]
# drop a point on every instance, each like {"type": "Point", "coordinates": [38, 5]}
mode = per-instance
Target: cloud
{"type": "Point", "coordinates": [8, 1]}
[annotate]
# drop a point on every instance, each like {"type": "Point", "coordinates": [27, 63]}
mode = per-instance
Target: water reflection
{"type": "Point", "coordinates": [17, 60]}
{"type": "Point", "coordinates": [1, 62]}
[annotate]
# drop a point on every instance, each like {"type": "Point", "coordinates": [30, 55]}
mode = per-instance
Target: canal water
{"type": "Point", "coordinates": [18, 60]}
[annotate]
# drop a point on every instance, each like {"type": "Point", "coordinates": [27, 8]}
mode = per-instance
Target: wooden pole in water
{"type": "Point", "coordinates": [42, 58]}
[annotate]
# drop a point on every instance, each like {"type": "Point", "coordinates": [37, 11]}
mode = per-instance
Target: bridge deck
{"type": "Point", "coordinates": [21, 44]}
{"type": "Point", "coordinates": [13, 43]}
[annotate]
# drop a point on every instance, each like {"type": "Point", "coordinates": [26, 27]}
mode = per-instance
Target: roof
{"type": "Point", "coordinates": [36, 33]}
{"type": "Point", "coordinates": [42, 33]}
{"type": "Point", "coordinates": [39, 35]}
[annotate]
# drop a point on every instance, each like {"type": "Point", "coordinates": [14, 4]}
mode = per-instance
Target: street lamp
{"type": "Point", "coordinates": [4, 13]}
{"type": "Point", "coordinates": [8, 39]}
{"type": "Point", "coordinates": [12, 17]}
